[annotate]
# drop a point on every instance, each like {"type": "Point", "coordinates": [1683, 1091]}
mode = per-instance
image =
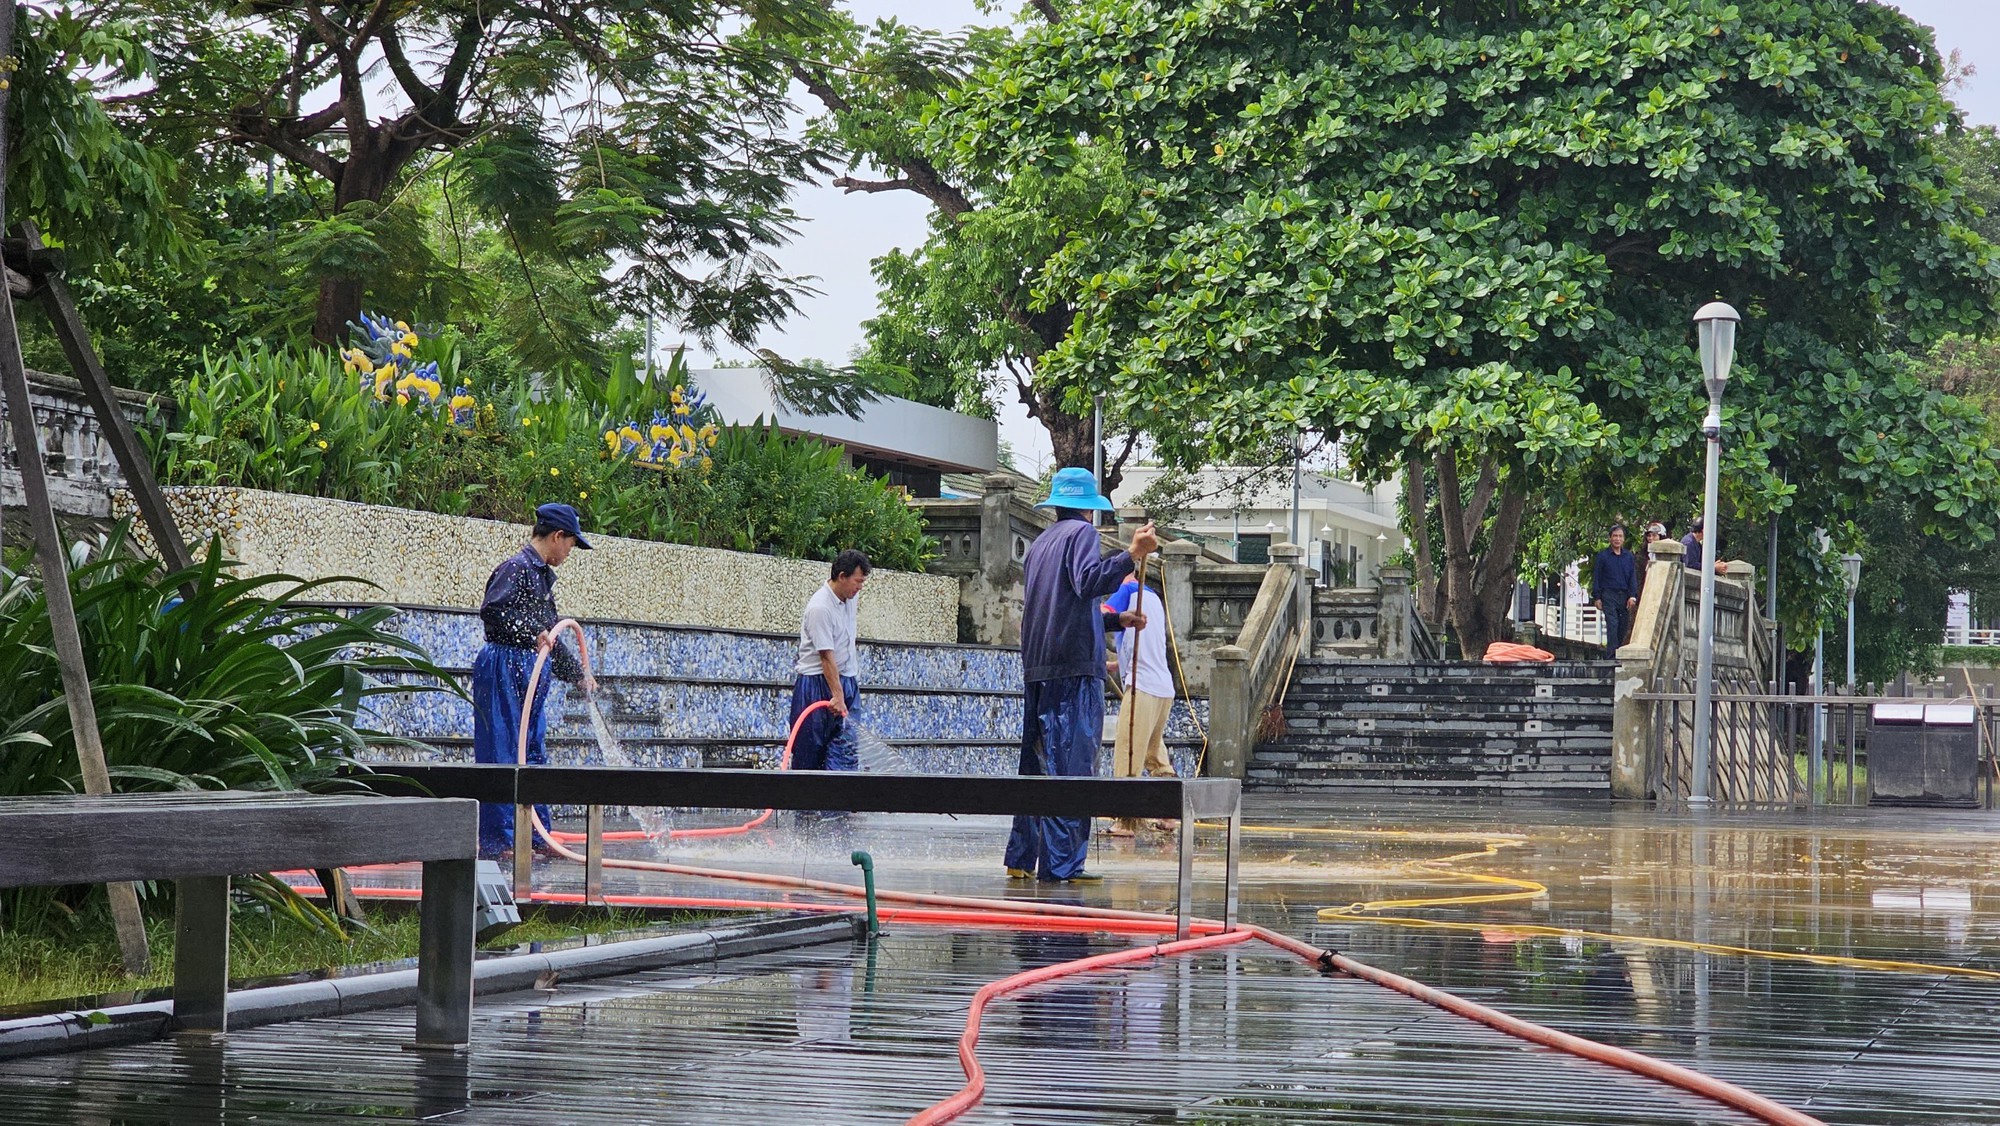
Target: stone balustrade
{"type": "Point", "coordinates": [82, 470]}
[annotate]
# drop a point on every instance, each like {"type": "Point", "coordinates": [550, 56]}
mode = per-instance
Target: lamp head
{"type": "Point", "coordinates": [1851, 564]}
{"type": "Point", "coordinates": [1210, 518]}
{"type": "Point", "coordinates": [1715, 334]}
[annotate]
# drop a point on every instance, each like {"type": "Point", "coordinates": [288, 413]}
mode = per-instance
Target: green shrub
{"type": "Point", "coordinates": [301, 422]}
{"type": "Point", "coordinates": [772, 493]}
{"type": "Point", "coordinates": [202, 680]}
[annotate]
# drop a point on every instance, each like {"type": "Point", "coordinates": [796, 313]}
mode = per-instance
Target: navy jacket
{"type": "Point", "coordinates": [521, 603]}
{"type": "Point", "coordinates": [1062, 618]}
{"type": "Point", "coordinates": [1614, 575]}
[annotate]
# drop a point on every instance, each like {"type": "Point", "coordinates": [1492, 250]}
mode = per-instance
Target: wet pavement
{"type": "Point", "coordinates": [867, 1032]}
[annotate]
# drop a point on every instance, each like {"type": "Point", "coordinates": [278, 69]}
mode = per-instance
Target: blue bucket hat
{"type": "Point", "coordinates": [563, 518]}
{"type": "Point", "coordinates": [1075, 487]}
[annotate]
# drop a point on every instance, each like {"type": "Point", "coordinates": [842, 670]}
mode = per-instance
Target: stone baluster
{"type": "Point", "coordinates": [1177, 563]}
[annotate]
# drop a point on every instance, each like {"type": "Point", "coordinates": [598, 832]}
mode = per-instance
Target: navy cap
{"type": "Point", "coordinates": [562, 518]}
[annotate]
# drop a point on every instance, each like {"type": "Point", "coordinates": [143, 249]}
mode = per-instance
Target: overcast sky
{"type": "Point", "coordinates": [840, 234]}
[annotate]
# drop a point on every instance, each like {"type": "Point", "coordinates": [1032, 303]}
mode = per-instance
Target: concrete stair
{"type": "Point", "coordinates": [1447, 728]}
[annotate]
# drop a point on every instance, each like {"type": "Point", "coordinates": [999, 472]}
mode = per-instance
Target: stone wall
{"type": "Point", "coordinates": [425, 559]}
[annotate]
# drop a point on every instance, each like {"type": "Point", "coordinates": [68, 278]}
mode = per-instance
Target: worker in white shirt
{"type": "Point", "coordinates": [1139, 746]}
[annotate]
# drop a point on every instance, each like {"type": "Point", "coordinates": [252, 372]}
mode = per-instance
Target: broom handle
{"type": "Point", "coordinates": [1132, 697]}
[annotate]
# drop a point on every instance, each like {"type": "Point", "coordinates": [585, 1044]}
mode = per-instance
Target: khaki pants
{"type": "Point", "coordinates": [1141, 741]}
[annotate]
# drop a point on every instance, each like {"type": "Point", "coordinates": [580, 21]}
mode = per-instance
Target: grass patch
{"type": "Point", "coordinates": [57, 961]}
{"type": "Point", "coordinates": [1833, 780]}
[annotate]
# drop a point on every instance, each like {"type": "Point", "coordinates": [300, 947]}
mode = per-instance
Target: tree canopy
{"type": "Point", "coordinates": [1468, 239]}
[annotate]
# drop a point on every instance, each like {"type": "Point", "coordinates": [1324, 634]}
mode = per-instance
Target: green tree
{"type": "Point", "coordinates": [1468, 237]}
{"type": "Point", "coordinates": [613, 128]}
{"type": "Point", "coordinates": [961, 325]}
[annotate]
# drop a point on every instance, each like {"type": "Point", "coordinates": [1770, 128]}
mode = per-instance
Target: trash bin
{"type": "Point", "coordinates": [1923, 754]}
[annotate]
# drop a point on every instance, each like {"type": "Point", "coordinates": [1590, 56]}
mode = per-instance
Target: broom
{"type": "Point", "coordinates": [1271, 721]}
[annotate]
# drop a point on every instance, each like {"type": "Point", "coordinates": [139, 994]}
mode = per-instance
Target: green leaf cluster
{"type": "Point", "coordinates": [1479, 231]}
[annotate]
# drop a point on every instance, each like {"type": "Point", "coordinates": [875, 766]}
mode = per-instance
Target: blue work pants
{"type": "Point", "coordinates": [1062, 726]}
{"type": "Point", "coordinates": [499, 688]}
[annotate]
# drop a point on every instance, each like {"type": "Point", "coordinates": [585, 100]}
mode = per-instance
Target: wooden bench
{"type": "Point", "coordinates": [1218, 799]}
{"type": "Point", "coordinates": [199, 840]}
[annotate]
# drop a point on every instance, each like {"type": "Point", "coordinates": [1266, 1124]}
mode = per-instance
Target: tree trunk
{"type": "Point", "coordinates": [1070, 438]}
{"type": "Point", "coordinates": [1477, 589]}
{"type": "Point", "coordinates": [372, 162]}
{"type": "Point", "coordinates": [1416, 499]}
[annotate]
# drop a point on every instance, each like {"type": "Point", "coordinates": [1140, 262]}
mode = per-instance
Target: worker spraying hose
{"type": "Point", "coordinates": [508, 694]}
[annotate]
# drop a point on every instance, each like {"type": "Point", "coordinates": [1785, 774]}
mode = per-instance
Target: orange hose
{"type": "Point", "coordinates": [957, 910]}
{"type": "Point", "coordinates": [969, 1095]}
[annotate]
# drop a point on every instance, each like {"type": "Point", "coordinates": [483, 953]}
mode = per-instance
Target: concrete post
{"type": "Point", "coordinates": [1177, 563]}
{"type": "Point", "coordinates": [1293, 556]}
{"type": "Point", "coordinates": [996, 528]}
{"type": "Point", "coordinates": [1229, 713]}
{"type": "Point", "coordinates": [1632, 746]}
{"type": "Point", "coordinates": [1393, 614]}
{"type": "Point", "coordinates": [1130, 520]}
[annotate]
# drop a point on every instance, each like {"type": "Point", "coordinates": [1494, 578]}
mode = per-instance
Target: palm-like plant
{"type": "Point", "coordinates": [202, 680]}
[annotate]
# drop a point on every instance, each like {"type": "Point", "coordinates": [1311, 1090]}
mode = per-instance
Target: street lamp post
{"type": "Point", "coordinates": [1850, 563]}
{"type": "Point", "coordinates": [1715, 332]}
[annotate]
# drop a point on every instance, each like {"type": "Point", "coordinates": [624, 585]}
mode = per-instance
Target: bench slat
{"type": "Point", "coordinates": [89, 840]}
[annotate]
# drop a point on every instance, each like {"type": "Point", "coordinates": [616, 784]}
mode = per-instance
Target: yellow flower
{"type": "Point", "coordinates": [554, 472]}
{"type": "Point", "coordinates": [531, 453]}
{"type": "Point", "coordinates": [583, 496]}
{"type": "Point", "coordinates": [322, 443]}
{"type": "Point", "coordinates": [315, 428]}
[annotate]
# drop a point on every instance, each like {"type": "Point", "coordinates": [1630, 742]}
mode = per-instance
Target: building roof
{"type": "Point", "coordinates": [889, 428]}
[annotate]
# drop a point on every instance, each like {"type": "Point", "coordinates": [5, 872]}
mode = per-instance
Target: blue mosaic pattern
{"type": "Point", "coordinates": [683, 697]}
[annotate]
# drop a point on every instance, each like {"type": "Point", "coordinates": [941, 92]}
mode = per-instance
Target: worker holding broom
{"type": "Point", "coordinates": [1063, 626]}
{"type": "Point", "coordinates": [1146, 694]}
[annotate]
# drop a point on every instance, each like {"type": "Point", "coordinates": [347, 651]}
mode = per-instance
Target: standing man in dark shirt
{"type": "Point", "coordinates": [1692, 546]}
{"type": "Point", "coordinates": [1063, 626]}
{"type": "Point", "coordinates": [518, 612]}
{"type": "Point", "coordinates": [1614, 590]}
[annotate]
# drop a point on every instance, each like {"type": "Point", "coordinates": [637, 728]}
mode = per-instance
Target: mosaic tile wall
{"type": "Point", "coordinates": [684, 697]}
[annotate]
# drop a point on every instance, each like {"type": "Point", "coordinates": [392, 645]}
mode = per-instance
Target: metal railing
{"type": "Point", "coordinates": [1788, 750]}
{"type": "Point", "coordinates": [594, 787]}
{"type": "Point", "coordinates": [1969, 635]}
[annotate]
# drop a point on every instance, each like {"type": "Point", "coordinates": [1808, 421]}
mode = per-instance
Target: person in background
{"type": "Point", "coordinates": [1691, 547]}
{"type": "Point", "coordinates": [518, 613]}
{"type": "Point", "coordinates": [827, 665]}
{"type": "Point", "coordinates": [1139, 739]}
{"type": "Point", "coordinates": [1063, 626]}
{"type": "Point", "coordinates": [1655, 532]}
{"type": "Point", "coordinates": [1614, 589]}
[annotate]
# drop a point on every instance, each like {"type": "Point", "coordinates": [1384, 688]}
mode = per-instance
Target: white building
{"type": "Point", "coordinates": [911, 444]}
{"type": "Point", "coordinates": [1347, 529]}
